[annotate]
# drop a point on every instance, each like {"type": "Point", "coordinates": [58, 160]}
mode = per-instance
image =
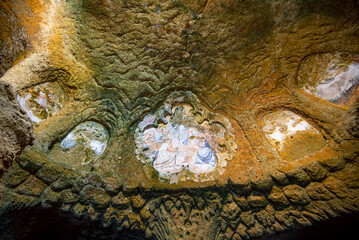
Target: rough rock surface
{"type": "Point", "coordinates": [16, 130]}
{"type": "Point", "coordinates": [14, 39]}
{"type": "Point", "coordinates": [117, 61]}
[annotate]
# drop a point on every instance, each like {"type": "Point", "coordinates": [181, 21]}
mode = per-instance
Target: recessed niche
{"type": "Point", "coordinates": [42, 101]}
{"type": "Point", "coordinates": [291, 135]}
{"type": "Point", "coordinates": [82, 146]}
{"type": "Point", "coordinates": [333, 77]}
{"type": "Point", "coordinates": [184, 141]}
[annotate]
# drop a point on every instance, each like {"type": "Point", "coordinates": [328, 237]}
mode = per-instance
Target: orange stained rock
{"type": "Point", "coordinates": [31, 14]}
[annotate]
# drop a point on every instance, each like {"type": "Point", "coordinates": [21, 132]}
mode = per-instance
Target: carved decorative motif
{"type": "Point", "coordinates": [291, 135]}
{"type": "Point", "coordinates": [42, 101]}
{"type": "Point", "coordinates": [184, 141]}
{"type": "Point", "coordinates": [83, 145]}
{"type": "Point", "coordinates": [334, 77]}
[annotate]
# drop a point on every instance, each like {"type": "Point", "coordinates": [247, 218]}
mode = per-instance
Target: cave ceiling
{"type": "Point", "coordinates": [165, 118]}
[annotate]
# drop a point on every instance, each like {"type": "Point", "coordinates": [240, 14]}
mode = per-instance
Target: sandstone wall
{"type": "Point", "coordinates": [117, 62]}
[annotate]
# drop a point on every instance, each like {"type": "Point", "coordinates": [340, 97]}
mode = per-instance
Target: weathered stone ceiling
{"type": "Point", "coordinates": [116, 63]}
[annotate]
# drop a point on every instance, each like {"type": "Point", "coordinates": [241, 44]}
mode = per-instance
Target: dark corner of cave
{"type": "Point", "coordinates": [179, 119]}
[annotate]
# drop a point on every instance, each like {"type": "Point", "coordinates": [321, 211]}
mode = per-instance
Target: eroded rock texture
{"type": "Point", "coordinates": [15, 127]}
{"type": "Point", "coordinates": [259, 71]}
{"type": "Point", "coordinates": [14, 37]}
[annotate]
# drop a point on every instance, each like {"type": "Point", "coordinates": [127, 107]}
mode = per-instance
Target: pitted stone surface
{"type": "Point", "coordinates": [16, 133]}
{"type": "Point", "coordinates": [118, 61]}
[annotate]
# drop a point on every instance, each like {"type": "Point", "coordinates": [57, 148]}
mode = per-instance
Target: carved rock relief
{"type": "Point", "coordinates": [82, 146]}
{"type": "Point", "coordinates": [288, 132]}
{"type": "Point", "coordinates": [184, 141]}
{"type": "Point", "coordinates": [136, 61]}
{"type": "Point", "coordinates": [42, 101]}
{"type": "Point", "coordinates": [333, 77]}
